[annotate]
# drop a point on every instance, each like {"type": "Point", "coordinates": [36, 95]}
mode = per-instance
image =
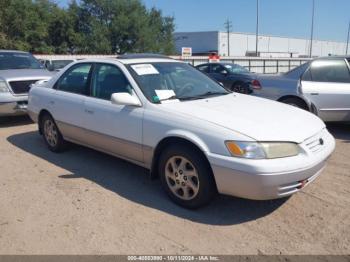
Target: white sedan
{"type": "Point", "coordinates": [186, 128]}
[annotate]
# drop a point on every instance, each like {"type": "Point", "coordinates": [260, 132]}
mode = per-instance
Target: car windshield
{"type": "Point", "coordinates": [59, 64]}
{"type": "Point", "coordinates": [171, 80]}
{"type": "Point", "coordinates": [236, 69]}
{"type": "Point", "coordinates": [18, 61]}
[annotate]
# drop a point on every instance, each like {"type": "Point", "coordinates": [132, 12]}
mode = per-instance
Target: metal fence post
{"type": "Point", "coordinates": [277, 66]}
{"type": "Point", "coordinates": [264, 66]}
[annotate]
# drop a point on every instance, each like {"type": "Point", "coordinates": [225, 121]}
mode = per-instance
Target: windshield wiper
{"type": "Point", "coordinates": [168, 98]}
{"type": "Point", "coordinates": [204, 95]}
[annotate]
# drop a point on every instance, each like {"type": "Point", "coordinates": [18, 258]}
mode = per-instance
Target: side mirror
{"type": "Point", "coordinates": [224, 73]}
{"type": "Point", "coordinates": [125, 99]}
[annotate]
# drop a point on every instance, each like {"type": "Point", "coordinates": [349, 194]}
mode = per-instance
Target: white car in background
{"type": "Point", "coordinates": [56, 64]}
{"type": "Point", "coordinates": [186, 128]}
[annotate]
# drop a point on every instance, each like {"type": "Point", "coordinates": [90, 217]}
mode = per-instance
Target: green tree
{"type": "Point", "coordinates": [90, 26]}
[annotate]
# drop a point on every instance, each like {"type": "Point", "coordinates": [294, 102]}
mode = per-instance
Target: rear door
{"type": "Point", "coordinates": [326, 84]}
{"type": "Point", "coordinates": [67, 101]}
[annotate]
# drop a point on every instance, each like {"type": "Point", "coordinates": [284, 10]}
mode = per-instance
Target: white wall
{"type": "Point", "coordinates": [241, 43]}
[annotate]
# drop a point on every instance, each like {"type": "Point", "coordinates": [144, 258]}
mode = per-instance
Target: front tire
{"type": "Point", "coordinates": [52, 136]}
{"type": "Point", "coordinates": [186, 176]}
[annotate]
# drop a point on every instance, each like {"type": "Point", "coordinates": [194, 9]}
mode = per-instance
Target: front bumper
{"type": "Point", "coordinates": [273, 178]}
{"type": "Point", "coordinates": [13, 108]}
{"type": "Point", "coordinates": [13, 105]}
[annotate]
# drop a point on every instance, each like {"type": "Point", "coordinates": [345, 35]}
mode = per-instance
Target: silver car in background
{"type": "Point", "coordinates": [56, 65]}
{"type": "Point", "coordinates": [321, 86]}
{"type": "Point", "coordinates": [18, 71]}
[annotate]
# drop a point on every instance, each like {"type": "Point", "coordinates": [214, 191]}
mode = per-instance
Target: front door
{"type": "Point", "coordinates": [115, 129]}
{"type": "Point", "coordinates": [220, 73]}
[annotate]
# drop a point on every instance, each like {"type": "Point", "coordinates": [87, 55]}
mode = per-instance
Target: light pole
{"type": "Point", "coordinates": [347, 41]}
{"type": "Point", "coordinates": [312, 27]}
{"type": "Point", "coordinates": [228, 26]}
{"type": "Point", "coordinates": [257, 28]}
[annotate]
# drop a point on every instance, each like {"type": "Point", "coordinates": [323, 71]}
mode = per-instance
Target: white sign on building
{"type": "Point", "coordinates": [186, 51]}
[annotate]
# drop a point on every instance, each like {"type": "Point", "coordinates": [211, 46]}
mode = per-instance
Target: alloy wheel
{"type": "Point", "coordinates": [182, 177]}
{"type": "Point", "coordinates": [50, 132]}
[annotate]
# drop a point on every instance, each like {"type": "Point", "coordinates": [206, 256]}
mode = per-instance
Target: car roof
{"type": "Point", "coordinates": [218, 63]}
{"type": "Point", "coordinates": [332, 57]}
{"type": "Point", "coordinates": [131, 60]}
{"type": "Point", "coordinates": [13, 51]}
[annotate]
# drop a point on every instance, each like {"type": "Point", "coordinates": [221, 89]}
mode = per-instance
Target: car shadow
{"type": "Point", "coordinates": [340, 131]}
{"type": "Point", "coordinates": [15, 121]}
{"type": "Point", "coordinates": [134, 183]}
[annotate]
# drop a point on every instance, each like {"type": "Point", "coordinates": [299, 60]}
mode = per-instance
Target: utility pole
{"type": "Point", "coordinates": [347, 41]}
{"type": "Point", "coordinates": [312, 27]}
{"type": "Point", "coordinates": [228, 26]}
{"type": "Point", "coordinates": [257, 28]}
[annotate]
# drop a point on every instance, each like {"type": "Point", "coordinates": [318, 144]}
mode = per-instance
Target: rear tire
{"type": "Point", "coordinates": [186, 176]}
{"type": "Point", "coordinates": [52, 136]}
{"type": "Point", "coordinates": [240, 87]}
{"type": "Point", "coordinates": [296, 103]}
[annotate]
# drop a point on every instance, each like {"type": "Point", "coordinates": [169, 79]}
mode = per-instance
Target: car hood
{"type": "Point", "coordinates": [257, 118]}
{"type": "Point", "coordinates": [25, 74]}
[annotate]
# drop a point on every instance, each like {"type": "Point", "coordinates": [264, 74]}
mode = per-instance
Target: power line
{"type": "Point", "coordinates": [228, 26]}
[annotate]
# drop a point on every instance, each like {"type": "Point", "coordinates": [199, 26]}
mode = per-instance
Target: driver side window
{"type": "Point", "coordinates": [218, 69]}
{"type": "Point", "coordinates": [107, 80]}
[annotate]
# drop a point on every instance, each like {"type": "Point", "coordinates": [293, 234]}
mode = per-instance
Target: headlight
{"type": "Point", "coordinates": [3, 87]}
{"type": "Point", "coordinates": [255, 150]}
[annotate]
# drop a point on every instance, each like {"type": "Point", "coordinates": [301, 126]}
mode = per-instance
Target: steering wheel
{"type": "Point", "coordinates": [187, 88]}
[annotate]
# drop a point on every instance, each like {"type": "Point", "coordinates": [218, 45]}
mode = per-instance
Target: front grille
{"type": "Point", "coordinates": [21, 87]}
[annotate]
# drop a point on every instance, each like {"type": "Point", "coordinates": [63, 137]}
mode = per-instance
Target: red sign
{"type": "Point", "coordinates": [214, 58]}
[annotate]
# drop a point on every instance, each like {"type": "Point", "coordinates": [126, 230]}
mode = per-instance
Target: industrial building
{"type": "Point", "coordinates": [244, 44]}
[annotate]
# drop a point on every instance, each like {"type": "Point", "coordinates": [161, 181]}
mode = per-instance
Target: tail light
{"type": "Point", "coordinates": [255, 84]}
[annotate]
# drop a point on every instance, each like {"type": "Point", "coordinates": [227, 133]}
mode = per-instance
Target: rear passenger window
{"type": "Point", "coordinates": [75, 80]}
{"type": "Point", "coordinates": [335, 71]}
{"type": "Point", "coordinates": [307, 75]}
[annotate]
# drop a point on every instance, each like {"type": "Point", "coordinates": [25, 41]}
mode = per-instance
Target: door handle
{"type": "Point", "coordinates": [89, 111]}
{"type": "Point", "coordinates": [314, 94]}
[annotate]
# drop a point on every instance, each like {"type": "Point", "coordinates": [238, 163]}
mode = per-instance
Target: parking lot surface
{"type": "Point", "coordinates": [85, 202]}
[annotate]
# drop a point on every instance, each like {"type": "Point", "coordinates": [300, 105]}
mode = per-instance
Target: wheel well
{"type": "Point", "coordinates": [162, 145]}
{"type": "Point", "coordinates": [281, 99]}
{"type": "Point", "coordinates": [41, 115]}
